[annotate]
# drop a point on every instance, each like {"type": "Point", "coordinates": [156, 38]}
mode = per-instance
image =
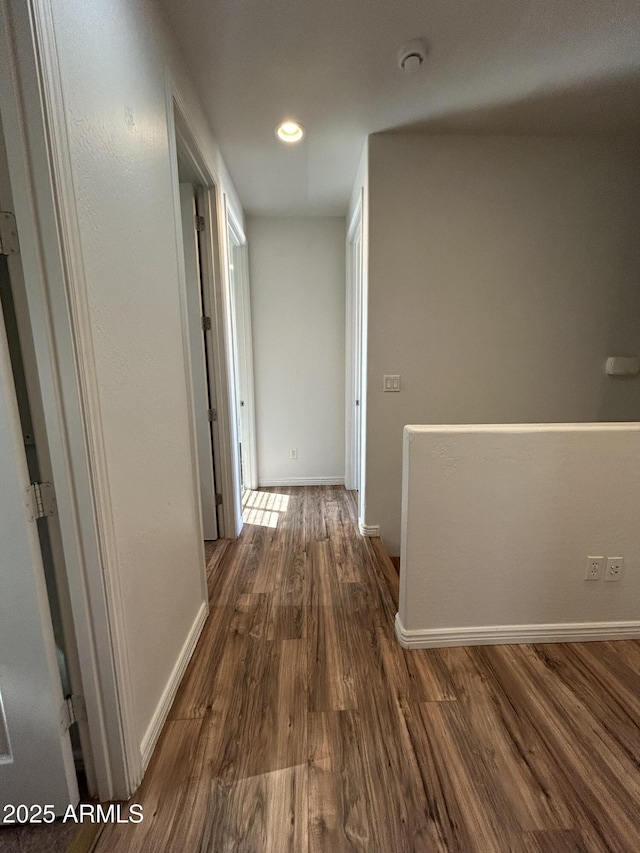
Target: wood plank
{"type": "Point", "coordinates": [290, 735]}
{"type": "Point", "coordinates": [332, 662]}
{"type": "Point", "coordinates": [194, 695]}
{"type": "Point", "coordinates": [173, 810]}
{"type": "Point", "coordinates": [256, 813]}
{"type": "Point", "coordinates": [416, 677]}
{"type": "Point", "coordinates": [351, 807]}
{"type": "Point", "coordinates": [482, 808]}
{"type": "Point", "coordinates": [553, 841]}
{"type": "Point", "coordinates": [531, 794]}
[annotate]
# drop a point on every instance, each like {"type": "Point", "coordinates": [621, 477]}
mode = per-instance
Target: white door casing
{"type": "Point", "coordinates": [355, 355]}
{"type": "Point", "coordinates": [243, 348]}
{"type": "Point", "coordinates": [36, 760]}
{"type": "Point", "coordinates": [198, 364]}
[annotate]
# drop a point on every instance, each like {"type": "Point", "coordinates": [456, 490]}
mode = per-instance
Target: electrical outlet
{"type": "Point", "coordinates": [595, 568]}
{"type": "Point", "coordinates": [293, 453]}
{"type": "Point", "coordinates": [615, 568]}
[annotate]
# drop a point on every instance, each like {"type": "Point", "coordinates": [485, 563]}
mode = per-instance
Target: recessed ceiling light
{"type": "Point", "coordinates": [290, 131]}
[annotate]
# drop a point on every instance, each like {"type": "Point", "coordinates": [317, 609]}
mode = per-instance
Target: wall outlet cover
{"type": "Point", "coordinates": [615, 569]}
{"type": "Point", "coordinates": [595, 568]}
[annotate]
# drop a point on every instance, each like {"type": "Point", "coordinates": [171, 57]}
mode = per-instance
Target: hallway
{"type": "Point", "coordinates": [301, 724]}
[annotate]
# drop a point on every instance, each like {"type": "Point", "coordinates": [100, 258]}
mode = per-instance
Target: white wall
{"type": "Point", "coordinates": [297, 270]}
{"type": "Point", "coordinates": [502, 273]}
{"type": "Point", "coordinates": [497, 525]}
{"type": "Point", "coordinates": [116, 63]}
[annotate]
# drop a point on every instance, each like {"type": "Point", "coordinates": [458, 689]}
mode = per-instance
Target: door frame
{"type": "Point", "coordinates": [195, 358]}
{"type": "Point", "coordinates": [30, 637]}
{"type": "Point", "coordinates": [37, 154]}
{"type": "Point", "coordinates": [355, 361]}
{"type": "Point", "coordinates": [244, 347]}
{"type": "Point", "coordinates": [217, 303]}
{"type": "Point", "coordinates": [46, 474]}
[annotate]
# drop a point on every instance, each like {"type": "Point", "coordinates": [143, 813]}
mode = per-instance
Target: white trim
{"type": "Point", "coordinates": [244, 350]}
{"type": "Point", "coordinates": [354, 362]}
{"type": "Point", "coordinates": [214, 260]}
{"type": "Point", "coordinates": [302, 481]}
{"type": "Point", "coordinates": [234, 226]}
{"type": "Point", "coordinates": [368, 529]}
{"type": "Point", "coordinates": [493, 635]}
{"type": "Point", "coordinates": [159, 717]}
{"type": "Point", "coordinates": [356, 219]}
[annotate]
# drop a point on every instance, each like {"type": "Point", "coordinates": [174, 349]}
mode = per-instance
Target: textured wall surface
{"type": "Point", "coordinates": [298, 302]}
{"type": "Point", "coordinates": [502, 273]}
{"type": "Point", "coordinates": [498, 522]}
{"type": "Point", "coordinates": [115, 58]}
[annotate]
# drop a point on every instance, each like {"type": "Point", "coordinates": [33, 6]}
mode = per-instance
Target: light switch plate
{"type": "Point", "coordinates": [391, 382]}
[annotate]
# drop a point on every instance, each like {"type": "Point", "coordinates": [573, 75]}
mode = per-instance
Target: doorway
{"type": "Point", "coordinates": [39, 662]}
{"type": "Point", "coordinates": [207, 331]}
{"type": "Point", "coordinates": [200, 345]}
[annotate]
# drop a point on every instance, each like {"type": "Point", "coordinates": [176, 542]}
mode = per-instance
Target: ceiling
{"type": "Point", "coordinates": [494, 66]}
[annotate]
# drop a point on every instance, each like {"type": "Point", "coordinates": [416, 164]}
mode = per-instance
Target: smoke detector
{"type": "Point", "coordinates": [412, 56]}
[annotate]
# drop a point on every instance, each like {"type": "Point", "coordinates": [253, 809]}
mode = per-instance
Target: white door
{"type": "Point", "coordinates": [36, 760]}
{"type": "Point", "coordinates": [197, 342]}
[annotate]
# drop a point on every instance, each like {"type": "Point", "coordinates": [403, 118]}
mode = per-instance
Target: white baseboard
{"type": "Point", "coordinates": [369, 529]}
{"type": "Point", "coordinates": [160, 715]}
{"type": "Point", "coordinates": [495, 635]}
{"type": "Point", "coordinates": [303, 481]}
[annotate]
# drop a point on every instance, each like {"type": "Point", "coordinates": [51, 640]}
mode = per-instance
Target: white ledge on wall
{"type": "Point", "coordinates": [495, 635]}
{"type": "Point", "coordinates": [369, 529]}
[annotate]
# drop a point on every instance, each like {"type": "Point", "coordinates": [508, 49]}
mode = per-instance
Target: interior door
{"type": "Point", "coordinates": [36, 759]}
{"type": "Point", "coordinates": [197, 343]}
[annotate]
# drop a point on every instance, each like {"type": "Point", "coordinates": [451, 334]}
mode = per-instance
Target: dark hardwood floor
{"type": "Point", "coordinates": [302, 726]}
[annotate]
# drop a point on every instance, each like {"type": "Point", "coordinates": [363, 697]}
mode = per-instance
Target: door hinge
{"type": "Point", "coordinates": [41, 501]}
{"type": "Point", "coordinates": [213, 415]}
{"type": "Point", "coordinates": [206, 324]}
{"type": "Point", "coordinates": [73, 711]}
{"type": "Point", "coordinates": [8, 233]}
{"type": "Point", "coordinates": [199, 220]}
{"type": "Point", "coordinates": [218, 499]}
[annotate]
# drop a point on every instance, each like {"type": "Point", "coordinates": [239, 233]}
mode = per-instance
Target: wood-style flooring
{"type": "Point", "coordinates": [302, 726]}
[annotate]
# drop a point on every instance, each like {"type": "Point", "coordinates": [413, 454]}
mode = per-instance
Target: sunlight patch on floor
{"type": "Point", "coordinates": [263, 508]}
